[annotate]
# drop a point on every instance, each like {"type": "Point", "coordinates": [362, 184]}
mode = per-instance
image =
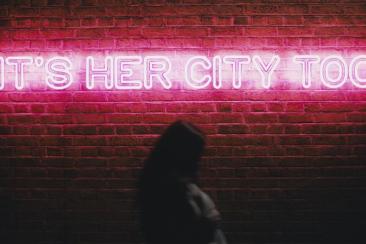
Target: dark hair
{"type": "Point", "coordinates": [176, 152]}
{"type": "Point", "coordinates": [172, 161]}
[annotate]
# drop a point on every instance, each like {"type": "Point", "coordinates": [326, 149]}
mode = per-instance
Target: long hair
{"type": "Point", "coordinates": [176, 153]}
{"type": "Point", "coordinates": [174, 157]}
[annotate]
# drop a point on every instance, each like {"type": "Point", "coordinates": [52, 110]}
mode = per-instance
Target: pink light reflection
{"type": "Point", "coordinates": [176, 71]}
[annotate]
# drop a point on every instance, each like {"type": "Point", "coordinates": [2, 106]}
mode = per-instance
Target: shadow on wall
{"type": "Point", "coordinates": [317, 213]}
{"type": "Point", "coordinates": [320, 211]}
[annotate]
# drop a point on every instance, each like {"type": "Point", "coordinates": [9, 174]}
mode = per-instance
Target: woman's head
{"type": "Point", "coordinates": [178, 150]}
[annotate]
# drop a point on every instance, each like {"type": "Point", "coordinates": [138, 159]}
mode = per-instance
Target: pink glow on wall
{"type": "Point", "coordinates": [105, 73]}
{"type": "Point", "coordinates": [191, 76]}
{"type": "Point", "coordinates": [307, 62]}
{"type": "Point", "coordinates": [58, 74]}
{"type": "Point", "coordinates": [2, 75]}
{"type": "Point", "coordinates": [326, 72]}
{"type": "Point", "coordinates": [19, 63]}
{"type": "Point", "coordinates": [237, 62]}
{"type": "Point", "coordinates": [157, 68]}
{"type": "Point", "coordinates": [354, 71]}
{"type": "Point", "coordinates": [123, 73]}
{"type": "Point", "coordinates": [224, 71]}
{"type": "Point", "coordinates": [266, 69]}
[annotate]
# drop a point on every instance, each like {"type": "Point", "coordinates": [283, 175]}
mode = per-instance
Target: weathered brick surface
{"type": "Point", "coordinates": [283, 166]}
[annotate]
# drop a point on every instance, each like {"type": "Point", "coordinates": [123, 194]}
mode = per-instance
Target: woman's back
{"type": "Point", "coordinates": [173, 209]}
{"type": "Point", "coordinates": [174, 215]}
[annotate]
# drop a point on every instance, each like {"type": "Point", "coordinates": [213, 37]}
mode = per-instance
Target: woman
{"type": "Point", "coordinates": [173, 208]}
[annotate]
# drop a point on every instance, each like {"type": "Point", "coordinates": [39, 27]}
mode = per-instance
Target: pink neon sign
{"type": "Point", "coordinates": [134, 72]}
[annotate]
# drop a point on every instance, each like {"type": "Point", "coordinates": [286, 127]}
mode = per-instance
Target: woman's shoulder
{"type": "Point", "coordinates": [204, 201]}
{"type": "Point", "coordinates": [197, 192]}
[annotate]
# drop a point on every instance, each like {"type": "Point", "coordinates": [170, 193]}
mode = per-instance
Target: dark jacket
{"type": "Point", "coordinates": [173, 209]}
{"type": "Point", "coordinates": [181, 213]}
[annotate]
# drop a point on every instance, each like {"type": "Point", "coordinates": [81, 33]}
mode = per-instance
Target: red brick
{"type": "Point", "coordinates": [233, 129]}
{"type": "Point", "coordinates": [325, 9]}
{"type": "Point", "coordinates": [150, 32]}
{"type": "Point", "coordinates": [241, 107]}
{"type": "Point", "coordinates": [226, 31]}
{"type": "Point", "coordinates": [72, 22]}
{"type": "Point", "coordinates": [328, 139]}
{"type": "Point", "coordinates": [189, 20]}
{"type": "Point", "coordinates": [241, 20]}
{"type": "Point", "coordinates": [37, 108]}
{"type": "Point", "coordinates": [123, 141]}
{"type": "Point", "coordinates": [53, 12]}
{"type": "Point", "coordinates": [89, 97]}
{"type": "Point", "coordinates": [295, 31]}
{"type": "Point", "coordinates": [80, 130]}
{"type": "Point", "coordinates": [293, 20]}
{"type": "Point", "coordinates": [226, 118]}
{"type": "Point", "coordinates": [23, 34]}
{"type": "Point", "coordinates": [295, 118]}
{"type": "Point", "coordinates": [224, 107]}
{"type": "Point", "coordinates": [23, 12]}
{"type": "Point", "coordinates": [5, 108]}
{"type": "Point", "coordinates": [223, 20]}
{"type": "Point", "coordinates": [258, 107]}
{"type": "Point", "coordinates": [275, 107]}
{"type": "Point", "coordinates": [90, 33]}
{"type": "Point", "coordinates": [90, 11]}
{"type": "Point", "coordinates": [104, 21]}
{"type": "Point", "coordinates": [123, 130]}
{"type": "Point", "coordinates": [120, 11]}
{"type": "Point", "coordinates": [260, 9]}
{"type": "Point", "coordinates": [22, 119]}
{"type": "Point", "coordinates": [261, 118]}
{"type": "Point", "coordinates": [294, 140]}
{"type": "Point", "coordinates": [260, 31]}
{"type": "Point", "coordinates": [106, 130]}
{"type": "Point", "coordinates": [56, 33]}
{"type": "Point", "coordinates": [124, 118]}
{"type": "Point", "coordinates": [83, 150]}
{"type": "Point", "coordinates": [356, 117]}
{"type": "Point", "coordinates": [89, 118]}
{"type": "Point", "coordinates": [56, 119]}
{"type": "Point", "coordinates": [329, 31]}
{"type": "Point", "coordinates": [191, 31]}
{"type": "Point", "coordinates": [326, 117]}
{"type": "Point", "coordinates": [123, 32]}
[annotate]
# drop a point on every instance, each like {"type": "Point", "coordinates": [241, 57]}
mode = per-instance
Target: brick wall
{"type": "Point", "coordinates": [282, 165]}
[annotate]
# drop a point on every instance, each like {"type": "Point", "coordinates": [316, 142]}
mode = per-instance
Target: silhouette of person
{"type": "Point", "coordinates": [173, 209]}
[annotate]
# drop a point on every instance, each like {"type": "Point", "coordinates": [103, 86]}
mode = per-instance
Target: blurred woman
{"type": "Point", "coordinates": [173, 209]}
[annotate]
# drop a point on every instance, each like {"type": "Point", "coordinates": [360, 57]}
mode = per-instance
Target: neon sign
{"type": "Point", "coordinates": [135, 72]}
